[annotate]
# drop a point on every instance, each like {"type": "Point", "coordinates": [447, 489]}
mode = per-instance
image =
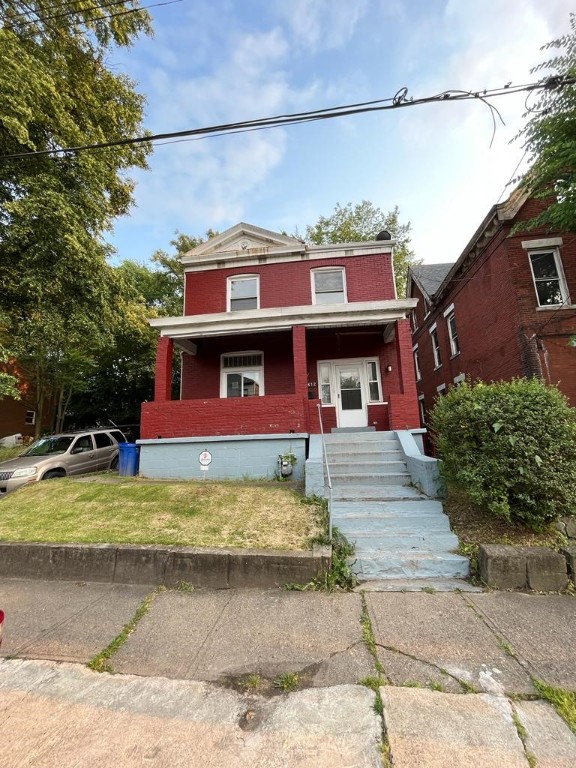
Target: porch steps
{"type": "Point", "coordinates": [399, 533]}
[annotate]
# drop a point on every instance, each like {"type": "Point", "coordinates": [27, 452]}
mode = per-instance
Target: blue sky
{"type": "Point", "coordinates": [218, 61]}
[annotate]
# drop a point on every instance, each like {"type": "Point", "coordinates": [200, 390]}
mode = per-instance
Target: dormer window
{"type": "Point", "coordinates": [243, 292]}
{"type": "Point", "coordinates": [329, 286]}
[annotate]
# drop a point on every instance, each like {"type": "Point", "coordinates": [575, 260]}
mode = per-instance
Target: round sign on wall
{"type": "Point", "coordinates": [205, 458]}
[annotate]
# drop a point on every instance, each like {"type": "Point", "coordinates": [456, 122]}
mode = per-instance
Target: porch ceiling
{"type": "Point", "coordinates": [360, 313]}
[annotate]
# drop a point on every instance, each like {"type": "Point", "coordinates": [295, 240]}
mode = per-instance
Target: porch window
{"type": "Point", "coordinates": [373, 378]}
{"type": "Point", "coordinates": [242, 375]}
{"type": "Point", "coordinates": [548, 276]}
{"type": "Point", "coordinates": [328, 286]}
{"type": "Point", "coordinates": [243, 292]}
{"type": "Point", "coordinates": [325, 385]}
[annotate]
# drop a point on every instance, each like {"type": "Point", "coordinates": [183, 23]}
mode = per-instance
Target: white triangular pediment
{"type": "Point", "coordinates": [243, 239]}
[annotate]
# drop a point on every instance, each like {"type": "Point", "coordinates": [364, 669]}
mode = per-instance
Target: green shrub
{"type": "Point", "coordinates": [511, 446]}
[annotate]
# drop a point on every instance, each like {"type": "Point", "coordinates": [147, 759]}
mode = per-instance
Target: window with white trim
{"type": "Point", "coordinates": [453, 334]}
{"type": "Point", "coordinates": [30, 418]}
{"type": "Point", "coordinates": [328, 285]}
{"type": "Point", "coordinates": [422, 410]}
{"type": "Point", "coordinates": [548, 277]}
{"type": "Point", "coordinates": [243, 292]}
{"type": "Point", "coordinates": [441, 389]}
{"type": "Point", "coordinates": [435, 346]}
{"type": "Point", "coordinates": [324, 378]}
{"type": "Point", "coordinates": [416, 362]}
{"type": "Point", "coordinates": [373, 378]}
{"type": "Point", "coordinates": [242, 375]}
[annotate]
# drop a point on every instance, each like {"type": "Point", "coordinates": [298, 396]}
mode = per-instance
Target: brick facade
{"type": "Point", "coordinates": [502, 333]}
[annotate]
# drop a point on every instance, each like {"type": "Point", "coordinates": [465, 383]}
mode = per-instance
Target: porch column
{"type": "Point", "coordinates": [163, 373]}
{"type": "Point", "coordinates": [404, 412]}
{"type": "Point", "coordinates": [300, 365]}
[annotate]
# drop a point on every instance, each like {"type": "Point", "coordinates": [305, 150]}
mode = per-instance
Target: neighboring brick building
{"type": "Point", "coordinates": [272, 328]}
{"type": "Point", "coordinates": [505, 309]}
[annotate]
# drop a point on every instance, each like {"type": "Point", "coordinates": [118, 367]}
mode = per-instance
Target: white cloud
{"type": "Point", "coordinates": [323, 24]}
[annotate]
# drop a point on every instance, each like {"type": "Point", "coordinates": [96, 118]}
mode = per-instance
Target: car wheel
{"type": "Point", "coordinates": [53, 473]}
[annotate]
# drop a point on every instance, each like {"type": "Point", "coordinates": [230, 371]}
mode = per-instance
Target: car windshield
{"type": "Point", "coordinates": [47, 445]}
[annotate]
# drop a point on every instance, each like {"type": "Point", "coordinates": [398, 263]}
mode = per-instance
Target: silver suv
{"type": "Point", "coordinates": [71, 453]}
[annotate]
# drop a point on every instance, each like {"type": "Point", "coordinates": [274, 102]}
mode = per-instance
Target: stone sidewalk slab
{"type": "Point", "coordinates": [548, 737]}
{"type": "Point", "coordinates": [540, 628]}
{"type": "Point", "coordinates": [60, 716]}
{"type": "Point", "coordinates": [427, 729]}
{"type": "Point", "coordinates": [64, 621]}
{"type": "Point", "coordinates": [222, 636]}
{"type": "Point", "coordinates": [419, 634]}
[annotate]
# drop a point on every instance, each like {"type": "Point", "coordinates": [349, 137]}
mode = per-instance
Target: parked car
{"type": "Point", "coordinates": [70, 453]}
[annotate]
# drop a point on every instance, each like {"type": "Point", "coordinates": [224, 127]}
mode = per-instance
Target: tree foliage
{"type": "Point", "coordinates": [550, 137]}
{"type": "Point", "coordinates": [59, 294]}
{"type": "Point", "coordinates": [511, 445]}
{"type": "Point", "coordinates": [356, 223]}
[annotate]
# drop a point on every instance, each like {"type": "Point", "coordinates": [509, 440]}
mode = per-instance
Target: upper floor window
{"type": "Point", "coordinates": [548, 276]}
{"type": "Point", "coordinates": [329, 286]}
{"type": "Point", "coordinates": [435, 346]}
{"type": "Point", "coordinates": [30, 417]}
{"type": "Point", "coordinates": [417, 363]}
{"type": "Point", "coordinates": [414, 321]}
{"type": "Point", "coordinates": [242, 375]}
{"type": "Point", "coordinates": [453, 334]}
{"type": "Point", "coordinates": [243, 292]}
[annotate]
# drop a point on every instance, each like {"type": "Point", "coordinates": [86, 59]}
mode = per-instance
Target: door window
{"type": "Point", "coordinates": [350, 389]}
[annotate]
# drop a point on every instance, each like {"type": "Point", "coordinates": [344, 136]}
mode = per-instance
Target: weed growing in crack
{"type": "Point", "coordinates": [523, 735]}
{"type": "Point", "coordinates": [374, 682]}
{"type": "Point", "coordinates": [101, 662]}
{"type": "Point", "coordinates": [288, 682]}
{"type": "Point", "coordinates": [506, 647]}
{"type": "Point", "coordinates": [251, 682]}
{"type": "Point", "coordinates": [429, 590]}
{"type": "Point", "coordinates": [434, 686]}
{"type": "Point", "coordinates": [386, 755]}
{"type": "Point", "coordinates": [466, 686]}
{"type": "Point", "coordinates": [183, 586]}
{"type": "Point", "coordinates": [563, 701]}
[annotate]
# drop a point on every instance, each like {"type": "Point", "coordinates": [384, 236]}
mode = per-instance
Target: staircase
{"type": "Point", "coordinates": [398, 532]}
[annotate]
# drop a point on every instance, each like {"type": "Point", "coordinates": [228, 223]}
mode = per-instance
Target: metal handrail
{"type": "Point", "coordinates": [325, 457]}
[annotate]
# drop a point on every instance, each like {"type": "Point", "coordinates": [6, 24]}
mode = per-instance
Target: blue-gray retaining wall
{"type": "Point", "coordinates": [233, 456]}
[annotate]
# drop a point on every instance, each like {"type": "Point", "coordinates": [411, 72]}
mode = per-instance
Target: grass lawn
{"type": "Point", "coordinates": [108, 509]}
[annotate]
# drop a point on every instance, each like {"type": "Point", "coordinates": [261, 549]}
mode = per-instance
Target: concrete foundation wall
{"type": "Point", "coordinates": [233, 457]}
{"type": "Point", "coordinates": [424, 470]}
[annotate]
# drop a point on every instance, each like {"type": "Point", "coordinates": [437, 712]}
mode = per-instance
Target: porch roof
{"type": "Point", "coordinates": [359, 313]}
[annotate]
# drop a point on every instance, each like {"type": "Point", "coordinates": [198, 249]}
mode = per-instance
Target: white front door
{"type": "Point", "coordinates": [351, 404]}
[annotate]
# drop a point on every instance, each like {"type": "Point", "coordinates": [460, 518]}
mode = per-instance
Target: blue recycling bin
{"type": "Point", "coordinates": [128, 459]}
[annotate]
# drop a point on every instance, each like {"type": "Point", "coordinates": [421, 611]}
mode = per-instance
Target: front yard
{"type": "Point", "coordinates": [107, 509]}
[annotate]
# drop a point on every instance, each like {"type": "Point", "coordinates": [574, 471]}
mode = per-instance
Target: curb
{"type": "Point", "coordinates": [156, 565]}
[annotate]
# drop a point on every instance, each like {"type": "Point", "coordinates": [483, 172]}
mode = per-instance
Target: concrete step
{"type": "Point", "coordinates": [339, 468]}
{"type": "Point", "coordinates": [387, 509]}
{"type": "Point", "coordinates": [341, 479]}
{"type": "Point", "coordinates": [419, 527]}
{"type": "Point", "coordinates": [359, 437]}
{"type": "Point", "coordinates": [417, 585]}
{"type": "Point", "coordinates": [382, 544]}
{"type": "Point", "coordinates": [374, 493]}
{"type": "Point", "coordinates": [412, 565]}
{"type": "Point", "coordinates": [349, 430]}
{"type": "Point", "coordinates": [361, 453]}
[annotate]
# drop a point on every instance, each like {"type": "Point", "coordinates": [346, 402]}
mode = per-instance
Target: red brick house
{"type": "Point", "coordinates": [272, 327]}
{"type": "Point", "coordinates": [506, 308]}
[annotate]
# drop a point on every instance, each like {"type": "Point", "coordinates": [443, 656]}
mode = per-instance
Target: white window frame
{"type": "Point", "coordinates": [330, 383]}
{"type": "Point", "coordinates": [453, 337]}
{"type": "Point", "coordinates": [416, 355]}
{"type": "Point", "coordinates": [238, 278]}
{"type": "Point", "coordinates": [369, 381]}
{"type": "Point", "coordinates": [314, 272]}
{"type": "Point", "coordinates": [30, 418]}
{"type": "Point", "coordinates": [240, 369]}
{"type": "Point", "coordinates": [422, 409]}
{"type": "Point", "coordinates": [441, 388]}
{"type": "Point", "coordinates": [435, 347]}
{"type": "Point", "coordinates": [460, 378]}
{"type": "Point", "coordinates": [561, 277]}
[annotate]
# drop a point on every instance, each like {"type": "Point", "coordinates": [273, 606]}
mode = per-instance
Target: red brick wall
{"type": "Point", "coordinates": [368, 278]}
{"type": "Point", "coordinates": [501, 333]}
{"type": "Point", "coordinates": [237, 416]}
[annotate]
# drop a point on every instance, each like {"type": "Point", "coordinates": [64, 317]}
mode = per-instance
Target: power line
{"type": "Point", "coordinates": [71, 12]}
{"type": "Point", "coordinates": [399, 100]}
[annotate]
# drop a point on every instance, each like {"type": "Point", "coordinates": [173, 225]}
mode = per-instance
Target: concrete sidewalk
{"type": "Point", "coordinates": [201, 677]}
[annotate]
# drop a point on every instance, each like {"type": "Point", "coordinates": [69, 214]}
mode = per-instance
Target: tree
{"type": "Point", "coordinates": [550, 138]}
{"type": "Point", "coordinates": [356, 223]}
{"type": "Point", "coordinates": [58, 292]}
